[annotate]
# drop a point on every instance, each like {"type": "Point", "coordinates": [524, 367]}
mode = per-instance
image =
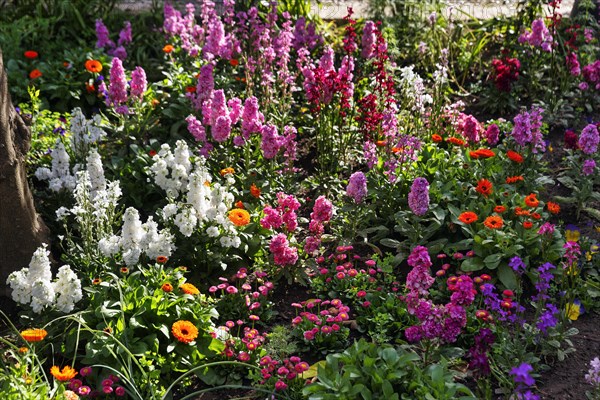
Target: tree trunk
{"type": "Point", "coordinates": [21, 228]}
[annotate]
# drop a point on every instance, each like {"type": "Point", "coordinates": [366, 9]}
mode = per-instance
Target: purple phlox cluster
{"type": "Point", "coordinates": [527, 130]}
{"type": "Point", "coordinates": [593, 375]}
{"type": "Point", "coordinates": [283, 253]}
{"type": "Point", "coordinates": [321, 214]}
{"type": "Point", "coordinates": [197, 130]}
{"type": "Point", "coordinates": [548, 319]}
{"type": "Point", "coordinates": [252, 119]}
{"type": "Point", "coordinates": [546, 229]}
{"type": "Point", "coordinates": [204, 87]}
{"type": "Point", "coordinates": [588, 167]}
{"type": "Point", "coordinates": [492, 134]}
{"type": "Point", "coordinates": [289, 145]}
{"type": "Point", "coordinates": [463, 290]}
{"type": "Point", "coordinates": [368, 39]}
{"type": "Point", "coordinates": [103, 39]}
{"type": "Point", "coordinates": [139, 83]}
{"type": "Point", "coordinates": [589, 139]}
{"type": "Point", "coordinates": [418, 198]}
{"type": "Point", "coordinates": [357, 187]}
{"type": "Point", "coordinates": [469, 128]}
{"type": "Point", "coordinates": [271, 141]}
{"type": "Point", "coordinates": [282, 44]}
{"type": "Point", "coordinates": [478, 360]}
{"type": "Point", "coordinates": [543, 283]}
{"type": "Point", "coordinates": [572, 253]}
{"type": "Point", "coordinates": [216, 40]}
{"type": "Point", "coordinates": [517, 264]}
{"type": "Point", "coordinates": [591, 73]}
{"type": "Point", "coordinates": [117, 89]}
{"type": "Point", "coordinates": [573, 64]}
{"type": "Point", "coordinates": [305, 35]}
{"type": "Point", "coordinates": [539, 36]}
{"type": "Point", "coordinates": [523, 379]}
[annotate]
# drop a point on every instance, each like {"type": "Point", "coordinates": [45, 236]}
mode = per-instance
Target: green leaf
{"type": "Point", "coordinates": [472, 264]}
{"type": "Point", "coordinates": [390, 243]}
{"type": "Point", "coordinates": [492, 260]}
{"type": "Point", "coordinates": [507, 276]}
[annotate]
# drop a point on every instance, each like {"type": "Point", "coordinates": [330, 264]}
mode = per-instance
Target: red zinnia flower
{"type": "Point", "coordinates": [532, 200]}
{"type": "Point", "coordinates": [468, 217]}
{"type": "Point", "coordinates": [514, 156]}
{"type": "Point", "coordinates": [31, 54]}
{"type": "Point", "coordinates": [484, 187]}
{"type": "Point", "coordinates": [499, 209]}
{"type": "Point", "coordinates": [36, 73]}
{"type": "Point", "coordinates": [436, 138]}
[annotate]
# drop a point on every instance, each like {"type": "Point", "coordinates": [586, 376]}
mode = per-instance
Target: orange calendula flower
{"type": "Point", "coordinates": [254, 191]}
{"type": "Point", "coordinates": [436, 138]}
{"type": "Point", "coordinates": [184, 331]}
{"type": "Point", "coordinates": [239, 217]}
{"type": "Point", "coordinates": [456, 141]}
{"type": "Point", "coordinates": [94, 66]}
{"type": "Point", "coordinates": [514, 156]}
{"type": "Point", "coordinates": [468, 217]}
{"type": "Point", "coordinates": [188, 288]}
{"type": "Point", "coordinates": [31, 54]}
{"type": "Point", "coordinates": [553, 208]}
{"type": "Point", "coordinates": [64, 375]}
{"type": "Point", "coordinates": [167, 287]}
{"type": "Point", "coordinates": [34, 335]}
{"type": "Point", "coordinates": [226, 171]}
{"type": "Point", "coordinates": [494, 222]}
{"type": "Point", "coordinates": [36, 73]}
{"type": "Point", "coordinates": [484, 187]}
{"type": "Point", "coordinates": [482, 153]}
{"type": "Point", "coordinates": [161, 259]}
{"type": "Point", "coordinates": [168, 48]}
{"type": "Point", "coordinates": [527, 224]}
{"type": "Point", "coordinates": [532, 200]}
{"type": "Point", "coordinates": [514, 179]}
{"type": "Point", "coordinates": [499, 209]}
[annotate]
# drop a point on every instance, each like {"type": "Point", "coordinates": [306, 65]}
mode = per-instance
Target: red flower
{"type": "Point", "coordinates": [31, 54]}
{"type": "Point", "coordinates": [514, 156]}
{"type": "Point", "coordinates": [36, 73]}
{"type": "Point", "coordinates": [484, 187]}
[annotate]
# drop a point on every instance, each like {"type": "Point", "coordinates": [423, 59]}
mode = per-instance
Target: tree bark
{"type": "Point", "coordinates": [21, 228]}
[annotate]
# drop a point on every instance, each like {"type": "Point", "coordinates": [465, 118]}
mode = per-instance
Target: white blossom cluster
{"type": "Point", "coordinates": [59, 177]}
{"type": "Point", "coordinates": [34, 285]}
{"type": "Point", "coordinates": [413, 89]}
{"type": "Point", "coordinates": [137, 238]}
{"type": "Point", "coordinates": [194, 203]}
{"type": "Point", "coordinates": [84, 132]}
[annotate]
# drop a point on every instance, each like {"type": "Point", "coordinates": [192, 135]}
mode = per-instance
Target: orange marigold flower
{"type": "Point", "coordinates": [161, 259]}
{"type": "Point", "coordinates": [36, 73]}
{"type": "Point", "coordinates": [553, 208]}
{"type": "Point", "coordinates": [456, 141]}
{"type": "Point", "coordinates": [514, 156]}
{"type": "Point", "coordinates": [494, 222]}
{"type": "Point", "coordinates": [184, 331]}
{"type": "Point", "coordinates": [34, 335]}
{"type": "Point", "coordinates": [167, 287]}
{"type": "Point", "coordinates": [239, 217]}
{"type": "Point", "coordinates": [94, 66]}
{"type": "Point", "coordinates": [226, 171]}
{"type": "Point", "coordinates": [514, 179]}
{"type": "Point", "coordinates": [188, 288]}
{"type": "Point", "coordinates": [484, 187]}
{"type": "Point", "coordinates": [31, 54]}
{"type": "Point", "coordinates": [532, 200]}
{"type": "Point", "coordinates": [468, 217]}
{"type": "Point", "coordinates": [527, 224]}
{"type": "Point", "coordinates": [168, 48]}
{"type": "Point", "coordinates": [499, 209]}
{"type": "Point", "coordinates": [254, 191]}
{"type": "Point", "coordinates": [64, 375]}
{"type": "Point", "coordinates": [436, 138]}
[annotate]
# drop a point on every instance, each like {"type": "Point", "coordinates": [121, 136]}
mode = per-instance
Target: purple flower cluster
{"type": "Point", "coordinates": [527, 130]}
{"type": "Point", "coordinates": [591, 73]}
{"type": "Point", "coordinates": [548, 319]}
{"type": "Point", "coordinates": [139, 84]}
{"type": "Point", "coordinates": [103, 39]}
{"type": "Point", "coordinates": [573, 64]}
{"type": "Point", "coordinates": [418, 198]}
{"type": "Point", "coordinates": [271, 141]}
{"type": "Point", "coordinates": [522, 377]}
{"type": "Point", "coordinates": [478, 360]}
{"type": "Point", "coordinates": [357, 187]}
{"type": "Point", "coordinates": [305, 35]}
{"type": "Point", "coordinates": [517, 264]}
{"type": "Point", "coordinates": [588, 167]}
{"type": "Point", "coordinates": [546, 229]}
{"type": "Point", "coordinates": [507, 309]}
{"type": "Point", "coordinates": [469, 128]}
{"type": "Point", "coordinates": [539, 36]}
{"type": "Point", "coordinates": [492, 134]}
{"type": "Point", "coordinates": [368, 40]}
{"type": "Point", "coordinates": [589, 139]}
{"type": "Point", "coordinates": [593, 375]}
{"type": "Point", "coordinates": [572, 253]}
{"type": "Point", "coordinates": [117, 89]}
{"type": "Point", "coordinates": [543, 283]}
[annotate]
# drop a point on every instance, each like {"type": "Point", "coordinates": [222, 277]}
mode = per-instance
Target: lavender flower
{"type": "Point", "coordinates": [588, 167]}
{"type": "Point", "coordinates": [548, 319]}
{"type": "Point", "coordinates": [138, 82]}
{"type": "Point", "coordinates": [117, 89]}
{"type": "Point", "coordinates": [357, 186]}
{"type": "Point", "coordinates": [527, 131]}
{"type": "Point", "coordinates": [125, 36]}
{"type": "Point", "coordinates": [517, 265]}
{"type": "Point", "coordinates": [543, 284]}
{"type": "Point", "coordinates": [593, 375]}
{"type": "Point", "coordinates": [521, 374]}
{"type": "Point", "coordinates": [589, 138]}
{"type": "Point", "coordinates": [103, 39]}
{"type": "Point", "coordinates": [418, 198]}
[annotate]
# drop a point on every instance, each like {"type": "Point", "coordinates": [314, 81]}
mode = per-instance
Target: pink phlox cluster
{"type": "Point", "coordinates": [321, 214]}
{"type": "Point", "coordinates": [357, 187]}
{"type": "Point", "coordinates": [573, 64]}
{"type": "Point", "coordinates": [539, 36]}
{"type": "Point", "coordinates": [285, 213]}
{"type": "Point", "coordinates": [492, 134]}
{"type": "Point", "coordinates": [418, 197]}
{"type": "Point", "coordinates": [139, 83]}
{"type": "Point", "coordinates": [271, 141]}
{"type": "Point", "coordinates": [252, 118]}
{"type": "Point", "coordinates": [368, 40]}
{"type": "Point", "coordinates": [591, 73]}
{"type": "Point", "coordinates": [283, 253]}
{"type": "Point", "coordinates": [468, 126]}
{"type": "Point", "coordinates": [117, 88]}
{"type": "Point", "coordinates": [589, 139]}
